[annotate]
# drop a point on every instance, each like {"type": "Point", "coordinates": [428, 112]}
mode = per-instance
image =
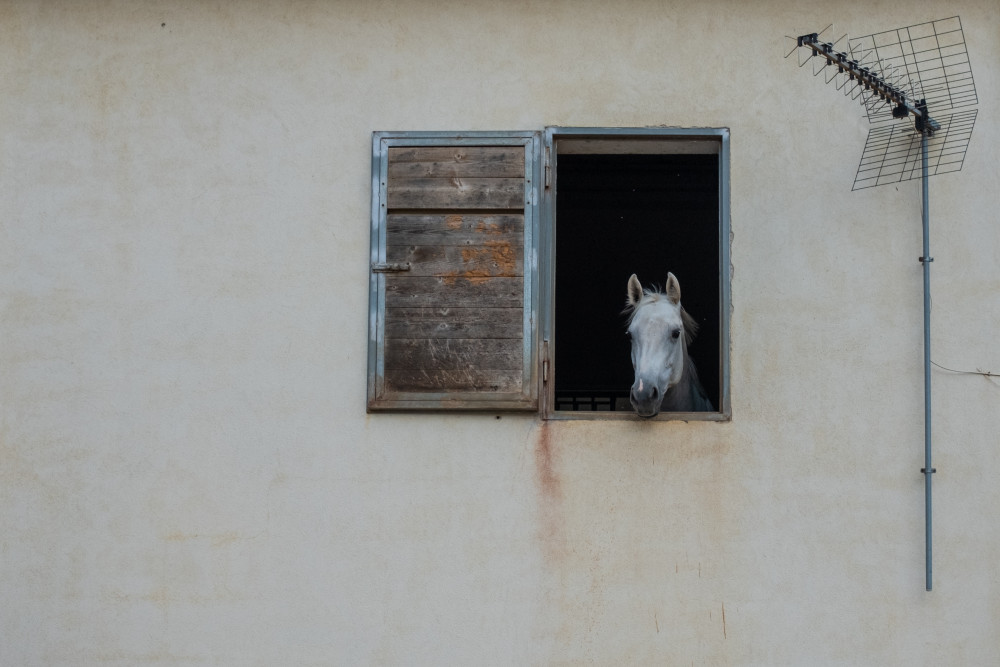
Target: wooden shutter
{"type": "Point", "coordinates": [452, 296]}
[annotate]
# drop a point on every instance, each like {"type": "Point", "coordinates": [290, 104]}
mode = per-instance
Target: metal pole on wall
{"type": "Point", "coordinates": [926, 260]}
{"type": "Point", "coordinates": [881, 70]}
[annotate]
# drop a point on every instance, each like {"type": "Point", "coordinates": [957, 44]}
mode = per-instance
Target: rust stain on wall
{"type": "Point", "coordinates": [549, 496]}
{"type": "Point", "coordinates": [548, 480]}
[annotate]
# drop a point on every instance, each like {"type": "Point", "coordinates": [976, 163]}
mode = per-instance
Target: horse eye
{"type": "Point", "coordinates": [675, 334]}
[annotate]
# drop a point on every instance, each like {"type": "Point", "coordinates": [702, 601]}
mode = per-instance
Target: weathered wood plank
{"type": "Point", "coordinates": [446, 193]}
{"type": "Point", "coordinates": [493, 259]}
{"type": "Point", "coordinates": [449, 291]}
{"type": "Point", "coordinates": [460, 229]}
{"type": "Point", "coordinates": [456, 162]}
{"type": "Point", "coordinates": [468, 380]}
{"type": "Point", "coordinates": [453, 354]}
{"type": "Point", "coordinates": [454, 322]}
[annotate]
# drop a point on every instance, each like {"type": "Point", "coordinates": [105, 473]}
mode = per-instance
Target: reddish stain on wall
{"type": "Point", "coordinates": [549, 495]}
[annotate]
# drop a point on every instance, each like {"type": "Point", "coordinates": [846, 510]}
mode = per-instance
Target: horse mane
{"type": "Point", "coordinates": [652, 295]}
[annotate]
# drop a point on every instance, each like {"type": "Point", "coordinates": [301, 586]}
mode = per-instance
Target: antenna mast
{"type": "Point", "coordinates": [900, 74]}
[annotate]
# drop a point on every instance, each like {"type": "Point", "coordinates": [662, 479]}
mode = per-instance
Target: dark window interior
{"type": "Point", "coordinates": [623, 214]}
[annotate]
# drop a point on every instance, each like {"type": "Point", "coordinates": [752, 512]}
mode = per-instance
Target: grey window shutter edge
{"type": "Point", "coordinates": [420, 202]}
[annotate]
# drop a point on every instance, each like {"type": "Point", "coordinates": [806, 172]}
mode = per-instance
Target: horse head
{"type": "Point", "coordinates": [660, 330]}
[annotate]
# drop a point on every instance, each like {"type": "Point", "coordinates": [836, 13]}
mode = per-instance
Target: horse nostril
{"type": "Point", "coordinates": [655, 393]}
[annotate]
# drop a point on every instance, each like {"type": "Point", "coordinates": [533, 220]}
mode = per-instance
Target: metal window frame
{"type": "Point", "coordinates": [547, 260]}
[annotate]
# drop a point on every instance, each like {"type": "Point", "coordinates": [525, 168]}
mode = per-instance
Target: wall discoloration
{"type": "Point", "coordinates": [550, 495]}
{"type": "Point", "coordinates": [188, 472]}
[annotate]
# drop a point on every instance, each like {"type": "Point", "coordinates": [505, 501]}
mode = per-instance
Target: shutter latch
{"type": "Point", "coordinates": [390, 267]}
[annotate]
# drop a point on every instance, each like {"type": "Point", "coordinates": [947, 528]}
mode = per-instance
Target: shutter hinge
{"type": "Point", "coordinates": [545, 361]}
{"type": "Point", "coordinates": [548, 167]}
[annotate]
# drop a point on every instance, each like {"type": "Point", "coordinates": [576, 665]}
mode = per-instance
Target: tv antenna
{"type": "Point", "coordinates": [900, 76]}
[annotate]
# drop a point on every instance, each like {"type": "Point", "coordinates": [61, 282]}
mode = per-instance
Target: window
{"type": "Point", "coordinates": [632, 201]}
{"type": "Point", "coordinates": [500, 262]}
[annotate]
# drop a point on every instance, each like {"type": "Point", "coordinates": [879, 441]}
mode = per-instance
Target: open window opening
{"type": "Point", "coordinates": [647, 205]}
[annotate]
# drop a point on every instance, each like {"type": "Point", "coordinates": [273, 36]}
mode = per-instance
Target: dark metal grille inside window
{"type": "Point", "coordinates": [623, 214]}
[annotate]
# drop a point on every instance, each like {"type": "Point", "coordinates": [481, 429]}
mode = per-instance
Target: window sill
{"type": "Point", "coordinates": [565, 415]}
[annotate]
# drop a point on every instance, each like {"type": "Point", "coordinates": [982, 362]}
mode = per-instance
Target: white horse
{"type": "Point", "coordinates": [660, 328]}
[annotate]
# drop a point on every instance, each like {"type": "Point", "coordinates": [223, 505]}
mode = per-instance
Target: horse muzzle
{"type": "Point", "coordinates": [646, 398]}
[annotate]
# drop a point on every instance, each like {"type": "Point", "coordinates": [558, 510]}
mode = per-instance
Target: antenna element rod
{"type": "Point", "coordinates": [871, 81]}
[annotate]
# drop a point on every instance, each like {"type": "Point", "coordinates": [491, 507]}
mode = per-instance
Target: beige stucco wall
{"type": "Point", "coordinates": [187, 472]}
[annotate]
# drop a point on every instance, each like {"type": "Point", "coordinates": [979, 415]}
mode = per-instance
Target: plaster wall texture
{"type": "Point", "coordinates": [187, 472]}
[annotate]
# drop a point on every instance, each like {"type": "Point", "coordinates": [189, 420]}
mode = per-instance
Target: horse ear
{"type": "Point", "coordinates": [634, 290]}
{"type": "Point", "coordinates": [673, 289]}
